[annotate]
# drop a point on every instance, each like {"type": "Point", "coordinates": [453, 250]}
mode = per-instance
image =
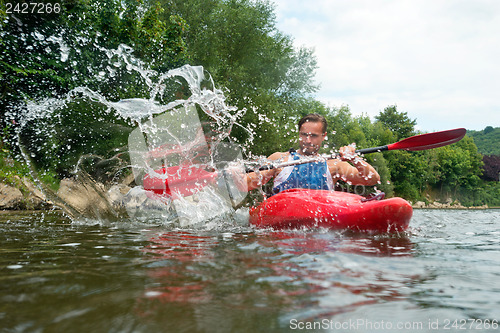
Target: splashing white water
{"type": "Point", "coordinates": [77, 127]}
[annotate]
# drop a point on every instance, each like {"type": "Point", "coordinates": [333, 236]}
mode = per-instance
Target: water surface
{"type": "Point", "coordinates": [58, 275]}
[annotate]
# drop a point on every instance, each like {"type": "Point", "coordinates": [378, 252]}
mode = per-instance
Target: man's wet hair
{"type": "Point", "coordinates": [316, 118]}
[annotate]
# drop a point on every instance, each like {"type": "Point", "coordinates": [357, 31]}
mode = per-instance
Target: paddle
{"type": "Point", "coordinates": [413, 143]}
{"type": "Point", "coordinates": [188, 180]}
{"type": "Point", "coordinates": [422, 141]}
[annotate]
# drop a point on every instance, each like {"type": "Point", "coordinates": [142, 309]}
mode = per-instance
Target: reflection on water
{"type": "Point", "coordinates": [271, 272]}
{"type": "Point", "coordinates": [59, 275]}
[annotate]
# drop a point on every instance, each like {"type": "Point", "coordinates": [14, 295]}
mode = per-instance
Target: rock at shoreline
{"type": "Point", "coordinates": [447, 205]}
{"type": "Point", "coordinates": [86, 200]}
{"type": "Point", "coordinates": [11, 197]}
{"type": "Point", "coordinates": [26, 196]}
{"type": "Point", "coordinates": [419, 204]}
{"type": "Point", "coordinates": [35, 198]}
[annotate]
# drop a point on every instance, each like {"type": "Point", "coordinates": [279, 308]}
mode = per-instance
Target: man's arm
{"type": "Point", "coordinates": [352, 169]}
{"type": "Point", "coordinates": [257, 179]}
{"type": "Point", "coordinates": [253, 180]}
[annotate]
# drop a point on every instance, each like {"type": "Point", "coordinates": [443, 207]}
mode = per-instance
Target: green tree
{"type": "Point", "coordinates": [487, 140]}
{"type": "Point", "coordinates": [455, 166]}
{"type": "Point", "coordinates": [398, 122]}
{"type": "Point", "coordinates": [238, 43]}
{"type": "Point", "coordinates": [344, 129]}
{"type": "Point", "coordinates": [378, 161]}
{"type": "Point", "coordinates": [488, 129]}
{"type": "Point", "coordinates": [408, 173]}
{"type": "Point", "coordinates": [48, 55]}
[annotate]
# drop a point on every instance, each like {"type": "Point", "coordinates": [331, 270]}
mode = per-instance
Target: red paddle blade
{"type": "Point", "coordinates": [429, 140]}
{"type": "Point", "coordinates": [178, 180]}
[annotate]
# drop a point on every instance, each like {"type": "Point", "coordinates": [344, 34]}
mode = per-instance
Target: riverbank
{"type": "Point", "coordinates": [448, 205]}
{"type": "Point", "coordinates": [23, 195]}
{"type": "Point", "coordinates": [26, 196]}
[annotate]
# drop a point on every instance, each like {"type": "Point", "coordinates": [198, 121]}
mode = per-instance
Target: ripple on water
{"type": "Point", "coordinates": [446, 267]}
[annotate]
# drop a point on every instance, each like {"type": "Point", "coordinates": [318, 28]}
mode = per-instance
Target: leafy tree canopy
{"type": "Point", "coordinates": [487, 140]}
{"type": "Point", "coordinates": [49, 54]}
{"type": "Point", "coordinates": [238, 43]}
{"type": "Point", "coordinates": [398, 122]}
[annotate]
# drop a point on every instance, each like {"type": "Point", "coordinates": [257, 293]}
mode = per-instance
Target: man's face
{"type": "Point", "coordinates": [311, 137]}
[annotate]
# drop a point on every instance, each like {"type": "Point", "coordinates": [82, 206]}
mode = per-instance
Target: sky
{"type": "Point", "coordinates": [437, 60]}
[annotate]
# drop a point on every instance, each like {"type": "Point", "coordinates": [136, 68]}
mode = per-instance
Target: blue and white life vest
{"type": "Point", "coordinates": [313, 175]}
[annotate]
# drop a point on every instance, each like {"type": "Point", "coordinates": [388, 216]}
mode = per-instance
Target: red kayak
{"type": "Point", "coordinates": [297, 208]}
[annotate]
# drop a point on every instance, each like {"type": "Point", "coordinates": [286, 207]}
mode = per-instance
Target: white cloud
{"type": "Point", "coordinates": [436, 60]}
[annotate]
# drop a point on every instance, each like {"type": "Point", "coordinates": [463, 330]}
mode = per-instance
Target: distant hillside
{"type": "Point", "coordinates": [487, 140]}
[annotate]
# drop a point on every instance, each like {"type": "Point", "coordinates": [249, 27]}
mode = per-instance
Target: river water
{"type": "Point", "coordinates": [59, 275]}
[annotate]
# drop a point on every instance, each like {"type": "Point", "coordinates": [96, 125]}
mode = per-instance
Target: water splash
{"type": "Point", "coordinates": [102, 148]}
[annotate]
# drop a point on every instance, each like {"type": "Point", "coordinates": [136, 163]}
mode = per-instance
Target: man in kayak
{"type": "Point", "coordinates": [321, 175]}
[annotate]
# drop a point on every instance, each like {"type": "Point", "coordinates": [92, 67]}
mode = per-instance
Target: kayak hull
{"type": "Point", "coordinates": [298, 208]}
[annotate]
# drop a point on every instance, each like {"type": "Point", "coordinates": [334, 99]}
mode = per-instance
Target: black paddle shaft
{"type": "Point", "coordinates": [359, 151]}
{"type": "Point", "coordinates": [372, 150]}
